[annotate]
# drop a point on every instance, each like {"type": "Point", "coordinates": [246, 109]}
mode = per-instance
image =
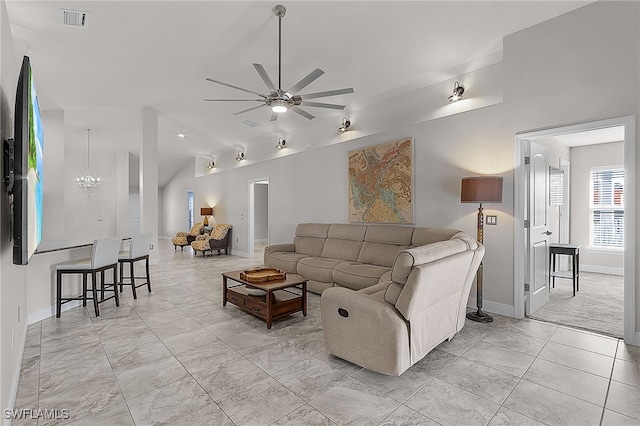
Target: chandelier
{"type": "Point", "coordinates": [88, 183]}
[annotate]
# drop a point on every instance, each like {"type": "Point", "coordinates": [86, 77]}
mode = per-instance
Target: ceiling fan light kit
{"type": "Point", "coordinates": [281, 101]}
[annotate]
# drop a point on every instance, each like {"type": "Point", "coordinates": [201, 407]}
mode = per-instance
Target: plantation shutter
{"type": "Point", "coordinates": [607, 207]}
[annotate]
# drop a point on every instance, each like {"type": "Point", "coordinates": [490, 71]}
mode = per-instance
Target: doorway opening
{"type": "Point", "coordinates": [567, 224]}
{"type": "Point", "coordinates": [258, 216]}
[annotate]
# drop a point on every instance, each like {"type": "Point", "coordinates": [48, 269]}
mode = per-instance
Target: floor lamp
{"type": "Point", "coordinates": [481, 189]}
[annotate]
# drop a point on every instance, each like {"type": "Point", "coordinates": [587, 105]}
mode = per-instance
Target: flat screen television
{"type": "Point", "coordinates": [23, 168]}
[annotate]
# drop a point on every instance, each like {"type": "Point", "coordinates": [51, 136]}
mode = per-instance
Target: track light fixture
{"type": "Point", "coordinates": [456, 95]}
{"type": "Point", "coordinates": [211, 164]}
{"type": "Point", "coordinates": [240, 156]}
{"type": "Point", "coordinates": [345, 125]}
{"type": "Point", "coordinates": [281, 144]}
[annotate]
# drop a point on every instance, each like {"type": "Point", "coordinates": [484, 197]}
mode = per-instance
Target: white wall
{"type": "Point", "coordinates": [553, 74]}
{"type": "Point", "coordinates": [13, 289]}
{"type": "Point", "coordinates": [582, 160]}
{"type": "Point", "coordinates": [175, 216]}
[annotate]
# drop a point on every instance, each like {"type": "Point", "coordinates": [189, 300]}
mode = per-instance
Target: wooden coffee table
{"type": "Point", "coordinates": [278, 301]}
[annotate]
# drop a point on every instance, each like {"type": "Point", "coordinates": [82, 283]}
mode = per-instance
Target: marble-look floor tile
{"type": "Point", "coordinates": [624, 399]}
{"type": "Point", "coordinates": [512, 339]}
{"type": "Point", "coordinates": [405, 416]}
{"type": "Point", "coordinates": [277, 357]}
{"type": "Point", "coordinates": [463, 341]}
{"type": "Point", "coordinates": [189, 340]}
{"type": "Point", "coordinates": [338, 363]}
{"type": "Point", "coordinates": [611, 418]}
{"type": "Point", "coordinates": [434, 362]}
{"type": "Point", "coordinates": [506, 417]}
{"type": "Point", "coordinates": [537, 329]}
{"type": "Point", "coordinates": [585, 340]}
{"type": "Point", "coordinates": [309, 378]}
{"type": "Point", "coordinates": [167, 404]}
{"type": "Point", "coordinates": [354, 403]}
{"type": "Point", "coordinates": [628, 352]}
{"type": "Point", "coordinates": [505, 360]}
{"type": "Point", "coordinates": [260, 404]}
{"type": "Point", "coordinates": [627, 372]}
{"type": "Point", "coordinates": [305, 415]}
{"type": "Point", "coordinates": [400, 387]}
{"type": "Point", "coordinates": [479, 379]}
{"type": "Point", "coordinates": [450, 405]}
{"type": "Point", "coordinates": [113, 415]}
{"type": "Point", "coordinates": [568, 380]}
{"type": "Point", "coordinates": [552, 407]}
{"type": "Point", "coordinates": [140, 380]}
{"type": "Point", "coordinates": [580, 359]}
{"type": "Point", "coordinates": [227, 377]}
{"type": "Point", "coordinates": [211, 415]}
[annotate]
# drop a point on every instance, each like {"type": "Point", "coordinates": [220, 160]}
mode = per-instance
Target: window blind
{"type": "Point", "coordinates": [606, 228]}
{"type": "Point", "coordinates": [556, 186]}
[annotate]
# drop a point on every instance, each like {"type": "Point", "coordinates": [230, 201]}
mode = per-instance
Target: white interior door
{"type": "Point", "coordinates": [537, 268]}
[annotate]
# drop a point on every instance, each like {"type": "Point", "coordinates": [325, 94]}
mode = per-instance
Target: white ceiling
{"type": "Point", "coordinates": [157, 54]}
{"type": "Point", "coordinates": [591, 137]}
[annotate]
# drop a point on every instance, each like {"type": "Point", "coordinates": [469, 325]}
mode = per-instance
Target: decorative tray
{"type": "Point", "coordinates": [260, 275]}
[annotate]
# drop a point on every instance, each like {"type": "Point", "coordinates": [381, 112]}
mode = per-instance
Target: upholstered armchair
{"type": "Point", "coordinates": [218, 240]}
{"type": "Point", "coordinates": [392, 325]}
{"type": "Point", "coordinates": [185, 238]}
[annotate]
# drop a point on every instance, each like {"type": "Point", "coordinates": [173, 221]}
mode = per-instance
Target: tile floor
{"type": "Point", "coordinates": [177, 357]}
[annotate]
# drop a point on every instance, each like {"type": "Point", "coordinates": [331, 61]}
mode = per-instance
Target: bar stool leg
{"type": "Point", "coordinates": [115, 285]}
{"type": "Point", "coordinates": [133, 279]}
{"type": "Point", "coordinates": [148, 275]}
{"type": "Point", "coordinates": [59, 293]}
{"type": "Point", "coordinates": [121, 275]}
{"type": "Point", "coordinates": [94, 291]}
{"type": "Point", "coordinates": [84, 289]}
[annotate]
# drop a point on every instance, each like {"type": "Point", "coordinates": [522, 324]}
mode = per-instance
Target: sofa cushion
{"type": "Point", "coordinates": [389, 234]}
{"type": "Point", "coordinates": [424, 236]}
{"type": "Point", "coordinates": [341, 249]}
{"type": "Point", "coordinates": [314, 230]}
{"type": "Point", "coordinates": [356, 275]}
{"type": "Point", "coordinates": [309, 246]}
{"type": "Point", "coordinates": [285, 261]}
{"type": "Point", "coordinates": [347, 232]}
{"type": "Point", "coordinates": [318, 268]}
{"type": "Point", "coordinates": [379, 253]}
{"type": "Point", "coordinates": [392, 293]}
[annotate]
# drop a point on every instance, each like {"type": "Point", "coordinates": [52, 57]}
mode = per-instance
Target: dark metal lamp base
{"type": "Point", "coordinates": [479, 316]}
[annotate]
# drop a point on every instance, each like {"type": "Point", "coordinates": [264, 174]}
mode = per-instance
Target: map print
{"type": "Point", "coordinates": [381, 183]}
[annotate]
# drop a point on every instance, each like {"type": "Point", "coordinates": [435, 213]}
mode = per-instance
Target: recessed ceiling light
{"type": "Point", "coordinates": [179, 155]}
{"type": "Point", "coordinates": [181, 135]}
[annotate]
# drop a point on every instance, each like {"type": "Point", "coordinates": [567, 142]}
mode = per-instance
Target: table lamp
{"type": "Point", "coordinates": [206, 212]}
{"type": "Point", "coordinates": [481, 189]}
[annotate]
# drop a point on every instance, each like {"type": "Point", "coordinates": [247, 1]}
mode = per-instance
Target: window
{"type": "Point", "coordinates": [606, 224]}
{"type": "Point", "coordinates": [190, 208]}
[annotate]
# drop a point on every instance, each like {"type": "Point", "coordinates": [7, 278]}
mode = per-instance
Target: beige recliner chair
{"type": "Point", "coordinates": [390, 326]}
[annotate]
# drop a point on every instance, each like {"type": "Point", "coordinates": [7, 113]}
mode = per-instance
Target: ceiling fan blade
{"type": "Point", "coordinates": [235, 87]}
{"type": "Point", "coordinates": [247, 110]}
{"type": "Point", "coordinates": [302, 112]}
{"type": "Point", "coordinates": [274, 116]}
{"type": "Point", "coordinates": [265, 77]}
{"type": "Point", "coordinates": [306, 81]}
{"type": "Point", "coordinates": [322, 105]}
{"type": "Point", "coordinates": [327, 93]}
{"type": "Point", "coordinates": [233, 100]}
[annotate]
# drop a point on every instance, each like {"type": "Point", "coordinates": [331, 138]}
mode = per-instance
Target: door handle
{"type": "Point", "coordinates": [547, 232]}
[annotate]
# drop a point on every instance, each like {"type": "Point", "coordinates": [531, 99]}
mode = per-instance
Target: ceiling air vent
{"type": "Point", "coordinates": [74, 18]}
{"type": "Point", "coordinates": [249, 123]}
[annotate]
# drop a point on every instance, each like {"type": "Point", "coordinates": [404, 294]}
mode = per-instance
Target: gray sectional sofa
{"type": "Point", "coordinates": [348, 255]}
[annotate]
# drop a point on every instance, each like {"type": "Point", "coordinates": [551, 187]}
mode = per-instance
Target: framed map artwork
{"type": "Point", "coordinates": [381, 183]}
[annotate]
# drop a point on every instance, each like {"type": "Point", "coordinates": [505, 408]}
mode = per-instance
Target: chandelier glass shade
{"type": "Point", "coordinates": [87, 182]}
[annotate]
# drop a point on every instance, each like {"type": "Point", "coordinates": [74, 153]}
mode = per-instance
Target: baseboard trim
{"type": "Point", "coordinates": [609, 270]}
{"type": "Point", "coordinates": [493, 307]}
{"type": "Point", "coordinates": [11, 403]}
{"type": "Point", "coordinates": [49, 312]}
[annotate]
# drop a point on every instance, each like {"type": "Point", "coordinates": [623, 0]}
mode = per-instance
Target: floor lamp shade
{"type": "Point", "coordinates": [481, 189]}
{"type": "Point", "coordinates": [206, 212]}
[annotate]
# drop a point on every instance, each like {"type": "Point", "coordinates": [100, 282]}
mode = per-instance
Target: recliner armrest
{"type": "Point", "coordinates": [275, 248]}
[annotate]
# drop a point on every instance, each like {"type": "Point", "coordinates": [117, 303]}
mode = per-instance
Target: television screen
{"type": "Point", "coordinates": [28, 152]}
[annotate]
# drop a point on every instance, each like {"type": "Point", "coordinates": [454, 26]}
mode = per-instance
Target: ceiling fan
{"type": "Point", "coordinates": [284, 100]}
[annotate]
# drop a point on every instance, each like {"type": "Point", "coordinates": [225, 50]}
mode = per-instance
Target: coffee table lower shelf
{"type": "Point", "coordinates": [274, 305]}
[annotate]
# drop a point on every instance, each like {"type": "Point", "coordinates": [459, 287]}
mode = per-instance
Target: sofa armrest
{"type": "Point", "coordinates": [365, 331]}
{"type": "Point", "coordinates": [277, 248]}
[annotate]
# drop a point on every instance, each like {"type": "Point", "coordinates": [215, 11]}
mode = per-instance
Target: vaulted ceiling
{"type": "Point", "coordinates": [157, 54]}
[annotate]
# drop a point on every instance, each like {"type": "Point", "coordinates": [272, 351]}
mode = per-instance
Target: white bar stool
{"type": "Point", "coordinates": [104, 256]}
{"type": "Point", "coordinates": [138, 250]}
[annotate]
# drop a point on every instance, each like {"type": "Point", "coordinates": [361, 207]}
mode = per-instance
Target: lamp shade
{"type": "Point", "coordinates": [481, 189]}
{"type": "Point", "coordinates": [206, 211]}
